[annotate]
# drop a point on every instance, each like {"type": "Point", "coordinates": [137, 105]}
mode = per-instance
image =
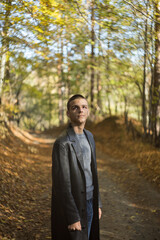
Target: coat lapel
{"type": "Point", "coordinates": [90, 143]}
{"type": "Point", "coordinates": [76, 146]}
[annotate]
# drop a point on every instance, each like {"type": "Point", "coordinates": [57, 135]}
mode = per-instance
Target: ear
{"type": "Point", "coordinates": [88, 112]}
{"type": "Point", "coordinates": [68, 115]}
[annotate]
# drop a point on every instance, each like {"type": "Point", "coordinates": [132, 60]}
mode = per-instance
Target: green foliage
{"type": "Point", "coordinates": [48, 45]}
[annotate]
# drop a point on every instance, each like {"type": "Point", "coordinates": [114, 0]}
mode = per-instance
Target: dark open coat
{"type": "Point", "coordinates": [69, 188]}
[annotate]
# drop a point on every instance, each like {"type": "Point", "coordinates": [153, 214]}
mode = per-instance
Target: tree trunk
{"type": "Point", "coordinates": [107, 73]}
{"type": "Point", "coordinates": [99, 100]}
{"type": "Point", "coordinates": [116, 108]}
{"type": "Point", "coordinates": [144, 74]}
{"type": "Point", "coordinates": [3, 63]}
{"type": "Point", "coordinates": [92, 56]}
{"type": "Point", "coordinates": [156, 84]}
{"type": "Point", "coordinates": [152, 80]}
{"type": "Point", "coordinates": [5, 46]}
{"type": "Point", "coordinates": [60, 83]}
{"type": "Point", "coordinates": [109, 107]}
{"type": "Point", "coordinates": [125, 106]}
{"type": "Point", "coordinates": [68, 75]}
{"type": "Point", "coordinates": [108, 58]}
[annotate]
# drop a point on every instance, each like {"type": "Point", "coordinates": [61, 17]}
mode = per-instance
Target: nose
{"type": "Point", "coordinates": [80, 109]}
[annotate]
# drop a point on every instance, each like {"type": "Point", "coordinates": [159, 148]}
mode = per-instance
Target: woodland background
{"type": "Point", "coordinates": [107, 50]}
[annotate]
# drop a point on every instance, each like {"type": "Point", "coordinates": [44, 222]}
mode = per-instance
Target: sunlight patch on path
{"type": "Point", "coordinates": [133, 205]}
{"type": "Point", "coordinates": [111, 235]}
{"type": "Point", "coordinates": [29, 138]}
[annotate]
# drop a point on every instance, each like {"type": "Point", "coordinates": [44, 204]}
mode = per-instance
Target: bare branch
{"type": "Point", "coordinates": [82, 15]}
{"type": "Point", "coordinates": [140, 11]}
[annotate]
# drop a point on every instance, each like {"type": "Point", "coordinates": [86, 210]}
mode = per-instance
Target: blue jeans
{"type": "Point", "coordinates": [89, 214]}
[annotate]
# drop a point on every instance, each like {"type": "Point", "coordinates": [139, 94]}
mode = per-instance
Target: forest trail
{"type": "Point", "coordinates": [131, 205]}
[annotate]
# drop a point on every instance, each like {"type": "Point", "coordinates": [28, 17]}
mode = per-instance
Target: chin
{"type": "Point", "coordinates": [80, 122]}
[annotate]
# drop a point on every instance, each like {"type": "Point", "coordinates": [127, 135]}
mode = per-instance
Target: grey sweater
{"type": "Point", "coordinates": [86, 152]}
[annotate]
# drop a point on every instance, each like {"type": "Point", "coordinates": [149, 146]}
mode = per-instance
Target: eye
{"type": "Point", "coordinates": [74, 107]}
{"type": "Point", "coordinates": [85, 107]}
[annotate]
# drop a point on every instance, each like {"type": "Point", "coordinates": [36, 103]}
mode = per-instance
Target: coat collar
{"type": "Point", "coordinates": [75, 143]}
{"type": "Point", "coordinates": [72, 135]}
{"type": "Point", "coordinates": [76, 146]}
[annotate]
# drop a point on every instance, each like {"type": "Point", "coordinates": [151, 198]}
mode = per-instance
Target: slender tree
{"type": "Point", "coordinates": [92, 54]}
{"type": "Point", "coordinates": [144, 112]}
{"type": "Point", "coordinates": [156, 84]}
{"type": "Point", "coordinates": [99, 87]}
{"type": "Point", "coordinates": [5, 45]}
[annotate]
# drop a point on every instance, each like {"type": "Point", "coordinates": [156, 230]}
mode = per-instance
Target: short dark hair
{"type": "Point", "coordinates": [73, 98]}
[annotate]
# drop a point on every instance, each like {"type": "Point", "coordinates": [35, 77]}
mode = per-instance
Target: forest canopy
{"type": "Point", "coordinates": [107, 50]}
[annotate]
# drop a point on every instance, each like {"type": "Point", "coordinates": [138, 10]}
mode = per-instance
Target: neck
{"type": "Point", "coordinates": [78, 129]}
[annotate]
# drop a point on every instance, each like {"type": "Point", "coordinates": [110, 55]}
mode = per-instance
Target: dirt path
{"type": "Point", "coordinates": [131, 207]}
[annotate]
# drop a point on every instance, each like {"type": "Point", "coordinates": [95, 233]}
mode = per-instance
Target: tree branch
{"type": "Point", "coordinates": [140, 11]}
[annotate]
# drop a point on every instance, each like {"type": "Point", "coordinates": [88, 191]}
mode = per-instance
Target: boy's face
{"type": "Point", "coordinates": [78, 111]}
